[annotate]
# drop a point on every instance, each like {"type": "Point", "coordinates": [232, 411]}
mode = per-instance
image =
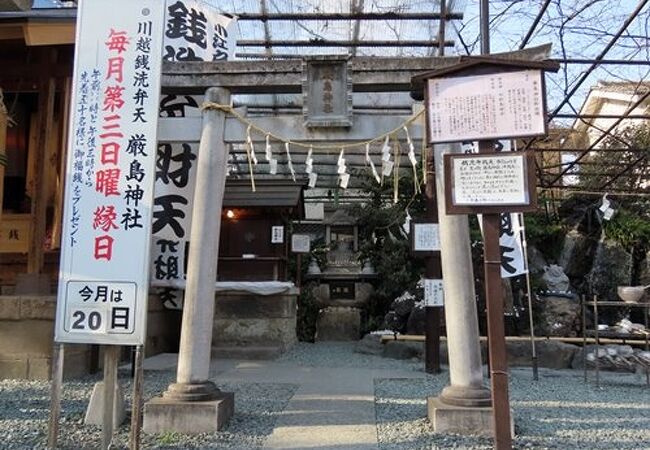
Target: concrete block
{"type": "Point", "coordinates": [95, 411]}
{"type": "Point", "coordinates": [162, 414]}
{"type": "Point", "coordinates": [38, 307]}
{"type": "Point", "coordinates": [9, 308]}
{"type": "Point", "coordinates": [338, 324]}
{"type": "Point", "coordinates": [39, 368]}
{"type": "Point", "coordinates": [33, 284]}
{"type": "Point", "coordinates": [254, 307]}
{"type": "Point", "coordinates": [476, 421]}
{"type": "Point", "coordinates": [13, 368]}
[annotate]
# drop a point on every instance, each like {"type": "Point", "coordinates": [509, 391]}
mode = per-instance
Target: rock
{"type": "Point", "coordinates": [550, 354]}
{"type": "Point", "coordinates": [403, 304]}
{"type": "Point", "coordinates": [417, 320]}
{"type": "Point", "coordinates": [558, 315]}
{"type": "Point", "coordinates": [577, 255]}
{"type": "Point", "coordinates": [612, 268]}
{"type": "Point", "coordinates": [370, 345]}
{"type": "Point", "coordinates": [555, 278]}
{"type": "Point", "coordinates": [536, 261]}
{"type": "Point", "coordinates": [403, 350]}
{"type": "Point", "coordinates": [338, 324]}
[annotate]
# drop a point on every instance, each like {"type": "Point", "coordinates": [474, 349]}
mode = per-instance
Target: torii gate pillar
{"type": "Point", "coordinates": [194, 404]}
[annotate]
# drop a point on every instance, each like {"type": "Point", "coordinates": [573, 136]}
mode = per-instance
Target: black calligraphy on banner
{"type": "Point", "coordinates": [177, 105]}
{"type": "Point", "coordinates": [195, 32]}
{"type": "Point", "coordinates": [174, 168]}
{"type": "Point", "coordinates": [165, 214]}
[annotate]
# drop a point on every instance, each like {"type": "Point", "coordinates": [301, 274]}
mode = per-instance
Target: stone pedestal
{"type": "Point", "coordinates": [95, 411]}
{"type": "Point", "coordinates": [468, 420]}
{"type": "Point", "coordinates": [192, 417]}
{"type": "Point", "coordinates": [338, 324]}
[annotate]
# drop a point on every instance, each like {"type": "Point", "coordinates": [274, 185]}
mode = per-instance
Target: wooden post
{"type": "Point", "coordinates": [496, 332]}
{"type": "Point", "coordinates": [136, 408]}
{"type": "Point", "coordinates": [298, 269]}
{"type": "Point", "coordinates": [64, 114]}
{"type": "Point", "coordinates": [4, 121]}
{"type": "Point", "coordinates": [55, 395]}
{"type": "Point", "coordinates": [39, 201]}
{"type": "Point", "coordinates": [111, 359]}
{"type": "Point", "coordinates": [433, 270]}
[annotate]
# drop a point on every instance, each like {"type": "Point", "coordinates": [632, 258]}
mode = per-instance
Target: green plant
{"type": "Point", "coordinates": [307, 313]}
{"type": "Point", "coordinates": [545, 234]}
{"type": "Point", "coordinates": [169, 438]}
{"type": "Point", "coordinates": [384, 242]}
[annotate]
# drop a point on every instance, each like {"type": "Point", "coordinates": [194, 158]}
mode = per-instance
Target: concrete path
{"type": "Point", "coordinates": [332, 409]}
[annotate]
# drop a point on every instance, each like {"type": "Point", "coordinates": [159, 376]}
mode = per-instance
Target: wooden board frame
{"type": "Point", "coordinates": [530, 184]}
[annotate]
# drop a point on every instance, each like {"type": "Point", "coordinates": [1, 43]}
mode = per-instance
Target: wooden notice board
{"type": "Point", "coordinates": [490, 183]}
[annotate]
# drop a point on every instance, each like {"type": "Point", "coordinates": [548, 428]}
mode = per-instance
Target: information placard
{"type": "Point", "coordinates": [300, 243]}
{"type": "Point", "coordinates": [490, 183]}
{"type": "Point", "coordinates": [425, 237]}
{"type": "Point", "coordinates": [434, 293]}
{"type": "Point", "coordinates": [104, 274]}
{"type": "Point", "coordinates": [492, 106]}
{"type": "Point", "coordinates": [277, 234]}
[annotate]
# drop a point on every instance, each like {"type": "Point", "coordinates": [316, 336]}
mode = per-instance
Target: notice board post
{"type": "Point", "coordinates": [485, 98]}
{"type": "Point", "coordinates": [110, 174]}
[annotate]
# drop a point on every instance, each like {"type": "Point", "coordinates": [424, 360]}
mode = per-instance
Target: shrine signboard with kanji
{"type": "Point", "coordinates": [103, 286]}
{"type": "Point", "coordinates": [487, 106]}
{"type": "Point", "coordinates": [490, 183]}
{"type": "Point", "coordinates": [327, 92]}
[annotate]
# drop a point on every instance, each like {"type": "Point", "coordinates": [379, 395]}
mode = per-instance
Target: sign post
{"type": "Point", "coordinates": [425, 241]}
{"type": "Point", "coordinates": [300, 243]}
{"type": "Point", "coordinates": [486, 98]}
{"type": "Point", "coordinates": [110, 173]}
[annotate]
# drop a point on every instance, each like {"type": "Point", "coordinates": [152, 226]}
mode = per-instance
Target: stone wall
{"type": "Point", "coordinates": [254, 326]}
{"type": "Point", "coordinates": [27, 333]}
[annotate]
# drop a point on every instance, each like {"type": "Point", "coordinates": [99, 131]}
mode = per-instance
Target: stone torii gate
{"type": "Point", "coordinates": [193, 404]}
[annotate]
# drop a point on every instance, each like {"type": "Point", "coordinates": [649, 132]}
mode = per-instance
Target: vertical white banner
{"type": "Point", "coordinates": [110, 174]}
{"type": "Point", "coordinates": [196, 31]}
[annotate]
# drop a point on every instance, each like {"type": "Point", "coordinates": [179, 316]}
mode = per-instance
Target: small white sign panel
{"type": "Point", "coordinates": [104, 274]}
{"type": "Point", "coordinates": [277, 234]}
{"type": "Point", "coordinates": [426, 237]}
{"type": "Point", "coordinates": [490, 180]}
{"type": "Point", "coordinates": [491, 106]}
{"type": "Point", "coordinates": [434, 294]}
{"type": "Point", "coordinates": [300, 243]}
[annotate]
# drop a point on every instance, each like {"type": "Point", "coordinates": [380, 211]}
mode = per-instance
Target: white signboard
{"type": "Point", "coordinates": [426, 237]}
{"type": "Point", "coordinates": [434, 294]}
{"type": "Point", "coordinates": [300, 243]}
{"type": "Point", "coordinates": [103, 286]}
{"type": "Point", "coordinates": [488, 106]}
{"type": "Point", "coordinates": [277, 234]}
{"type": "Point", "coordinates": [490, 180]}
{"type": "Point", "coordinates": [195, 31]}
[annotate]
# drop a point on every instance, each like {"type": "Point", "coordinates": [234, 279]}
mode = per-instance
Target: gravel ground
{"type": "Point", "coordinates": [24, 410]}
{"type": "Point", "coordinates": [559, 411]}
